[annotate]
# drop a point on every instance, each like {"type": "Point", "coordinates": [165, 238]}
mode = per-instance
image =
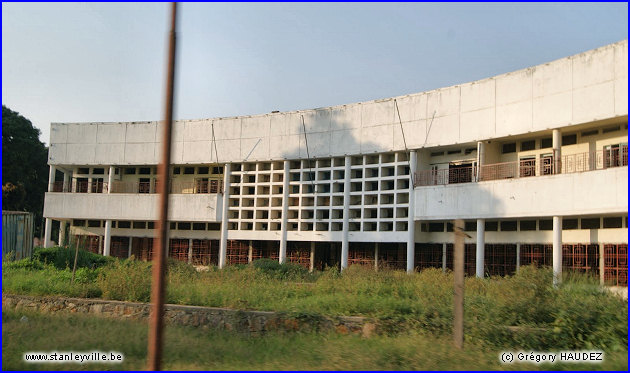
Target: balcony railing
{"type": "Point", "coordinates": [566, 164]}
{"type": "Point", "coordinates": [139, 187]}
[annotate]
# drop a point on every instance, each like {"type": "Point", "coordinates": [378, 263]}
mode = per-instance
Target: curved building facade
{"type": "Point", "coordinates": [534, 161]}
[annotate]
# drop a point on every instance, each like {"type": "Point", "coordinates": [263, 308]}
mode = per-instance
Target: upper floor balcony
{"type": "Point", "coordinates": [525, 168]}
{"type": "Point", "coordinates": [96, 185]}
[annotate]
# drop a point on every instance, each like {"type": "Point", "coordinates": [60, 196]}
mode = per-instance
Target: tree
{"type": "Point", "coordinates": [24, 165]}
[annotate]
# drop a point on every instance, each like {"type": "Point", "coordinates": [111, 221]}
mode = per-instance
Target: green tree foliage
{"type": "Point", "coordinates": [24, 165]}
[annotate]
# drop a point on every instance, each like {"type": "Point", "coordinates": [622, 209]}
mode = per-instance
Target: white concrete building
{"type": "Point", "coordinates": [535, 161]}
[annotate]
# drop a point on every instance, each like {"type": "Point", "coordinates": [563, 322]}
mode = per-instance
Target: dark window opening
{"type": "Point", "coordinates": [145, 171]}
{"type": "Point", "coordinates": [508, 226]}
{"type": "Point", "coordinates": [139, 225]}
{"type": "Point", "coordinates": [98, 171]}
{"type": "Point", "coordinates": [470, 226]}
{"type": "Point", "coordinates": [492, 226]}
{"type": "Point", "coordinates": [546, 143]}
{"type": "Point", "coordinates": [614, 222]}
{"type": "Point", "coordinates": [124, 224]}
{"type": "Point", "coordinates": [203, 170]}
{"type": "Point", "coordinates": [199, 226]}
{"type": "Point", "coordinates": [130, 170]}
{"type": "Point", "coordinates": [436, 227]}
{"type": "Point", "coordinates": [569, 224]}
{"type": "Point", "coordinates": [590, 223]}
{"type": "Point", "coordinates": [569, 139]}
{"type": "Point", "coordinates": [177, 171]}
{"type": "Point", "coordinates": [509, 148]}
{"type": "Point", "coordinates": [94, 223]}
{"type": "Point", "coordinates": [545, 225]}
{"type": "Point", "coordinates": [189, 170]}
{"type": "Point", "coordinates": [528, 225]}
{"type": "Point", "coordinates": [528, 145]}
{"type": "Point", "coordinates": [183, 226]}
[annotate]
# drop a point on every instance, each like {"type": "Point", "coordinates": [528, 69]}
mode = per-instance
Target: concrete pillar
{"type": "Point", "coordinates": [557, 250]}
{"type": "Point", "coordinates": [110, 178]}
{"type": "Point", "coordinates": [62, 232]}
{"type": "Point", "coordinates": [444, 257]}
{"type": "Point", "coordinates": [602, 265]}
{"type": "Point", "coordinates": [518, 256]}
{"type": "Point", "coordinates": [376, 256]}
{"type": "Point", "coordinates": [345, 245]}
{"type": "Point", "coordinates": [47, 232]}
{"type": "Point", "coordinates": [481, 158]}
{"type": "Point", "coordinates": [481, 247]}
{"type": "Point", "coordinates": [411, 238]}
{"type": "Point", "coordinates": [130, 247]}
{"type": "Point", "coordinates": [89, 185]}
{"type": "Point", "coordinates": [51, 177]}
{"type": "Point", "coordinates": [282, 257]}
{"type": "Point", "coordinates": [556, 144]}
{"type": "Point", "coordinates": [311, 266]}
{"type": "Point", "coordinates": [224, 216]}
{"type": "Point", "coordinates": [108, 238]}
{"type": "Point", "coordinates": [190, 251]}
{"type": "Point", "coordinates": [66, 182]}
{"type": "Point", "coordinates": [250, 252]}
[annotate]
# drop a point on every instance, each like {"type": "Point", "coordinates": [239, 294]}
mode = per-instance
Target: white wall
{"type": "Point", "coordinates": [578, 89]}
{"type": "Point", "coordinates": [594, 192]}
{"type": "Point", "coordinates": [182, 207]}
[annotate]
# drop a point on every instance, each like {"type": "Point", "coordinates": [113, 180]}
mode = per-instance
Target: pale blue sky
{"type": "Point", "coordinates": [105, 62]}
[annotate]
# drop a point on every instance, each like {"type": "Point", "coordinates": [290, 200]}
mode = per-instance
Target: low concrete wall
{"type": "Point", "coordinates": [248, 322]}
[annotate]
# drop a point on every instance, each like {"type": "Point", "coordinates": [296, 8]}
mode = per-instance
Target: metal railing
{"type": "Point", "coordinates": [139, 187]}
{"type": "Point", "coordinates": [566, 164]}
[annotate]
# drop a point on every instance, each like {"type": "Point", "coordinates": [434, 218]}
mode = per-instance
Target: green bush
{"type": "Point", "coordinates": [285, 271]}
{"type": "Point", "coordinates": [128, 280]}
{"type": "Point", "coordinates": [63, 257]}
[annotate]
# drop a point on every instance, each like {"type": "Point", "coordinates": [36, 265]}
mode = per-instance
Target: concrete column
{"type": "Point", "coordinates": [110, 178]}
{"type": "Point", "coordinates": [250, 252]}
{"type": "Point", "coordinates": [108, 238]}
{"type": "Point", "coordinates": [66, 182]}
{"type": "Point", "coordinates": [51, 177]}
{"type": "Point", "coordinates": [282, 257]}
{"type": "Point", "coordinates": [345, 245]}
{"type": "Point", "coordinates": [311, 266]}
{"type": "Point", "coordinates": [481, 247]}
{"type": "Point", "coordinates": [376, 256]}
{"type": "Point", "coordinates": [556, 144]}
{"type": "Point", "coordinates": [518, 256]}
{"type": "Point", "coordinates": [557, 250]}
{"type": "Point", "coordinates": [130, 247]}
{"type": "Point", "coordinates": [481, 158]}
{"type": "Point", "coordinates": [602, 265]}
{"type": "Point", "coordinates": [62, 232]}
{"type": "Point", "coordinates": [444, 257]}
{"type": "Point", "coordinates": [89, 185]}
{"type": "Point", "coordinates": [224, 216]}
{"type": "Point", "coordinates": [411, 238]}
{"type": "Point", "coordinates": [47, 232]}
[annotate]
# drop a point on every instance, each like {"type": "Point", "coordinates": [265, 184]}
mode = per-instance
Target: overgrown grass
{"type": "Point", "coordinates": [521, 311]}
{"type": "Point", "coordinates": [195, 349]}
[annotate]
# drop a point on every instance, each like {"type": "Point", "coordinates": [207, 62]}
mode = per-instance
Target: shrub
{"type": "Point", "coordinates": [63, 257]}
{"type": "Point", "coordinates": [128, 280]}
{"type": "Point", "coordinates": [285, 271]}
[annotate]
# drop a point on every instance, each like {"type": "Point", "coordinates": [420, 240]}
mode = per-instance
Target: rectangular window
{"type": "Point", "coordinates": [145, 171]}
{"type": "Point", "coordinates": [189, 170]}
{"type": "Point", "coordinates": [470, 226]}
{"type": "Point", "coordinates": [150, 225]}
{"type": "Point", "coordinates": [130, 170]}
{"type": "Point", "coordinates": [436, 227]}
{"type": "Point", "coordinates": [528, 145]}
{"type": "Point", "coordinates": [437, 154]}
{"type": "Point", "coordinates": [78, 223]}
{"type": "Point", "coordinates": [569, 224]}
{"type": "Point", "coordinates": [199, 226]}
{"type": "Point", "coordinates": [458, 151]}
{"type": "Point", "coordinates": [124, 224]}
{"type": "Point", "coordinates": [611, 129]}
{"type": "Point", "coordinates": [83, 171]}
{"type": "Point", "coordinates": [589, 133]}
{"type": "Point", "coordinates": [94, 223]}
{"type": "Point", "coordinates": [214, 226]}
{"type": "Point", "coordinates": [614, 222]}
{"type": "Point", "coordinates": [177, 170]}
{"type": "Point", "coordinates": [508, 226]}
{"type": "Point", "coordinates": [528, 225]}
{"type": "Point", "coordinates": [492, 226]}
{"type": "Point", "coordinates": [545, 225]}
{"type": "Point", "coordinates": [183, 226]}
{"type": "Point", "coordinates": [203, 170]}
{"type": "Point", "coordinates": [217, 170]}
{"type": "Point", "coordinates": [139, 225]}
{"type": "Point", "coordinates": [590, 223]}
{"type": "Point", "coordinates": [569, 139]}
{"type": "Point", "coordinates": [98, 171]}
{"type": "Point", "coordinates": [509, 148]}
{"type": "Point", "coordinates": [546, 143]}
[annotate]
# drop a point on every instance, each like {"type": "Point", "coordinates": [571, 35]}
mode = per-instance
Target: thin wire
{"type": "Point", "coordinates": [411, 175]}
{"type": "Point", "coordinates": [310, 174]}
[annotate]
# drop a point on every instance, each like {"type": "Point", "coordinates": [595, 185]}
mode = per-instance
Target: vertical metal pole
{"type": "Point", "coordinates": [602, 264]}
{"type": "Point", "coordinates": [311, 266]}
{"type": "Point", "coordinates": [154, 360]}
{"type": "Point", "coordinates": [458, 300]}
{"type": "Point", "coordinates": [518, 256]}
